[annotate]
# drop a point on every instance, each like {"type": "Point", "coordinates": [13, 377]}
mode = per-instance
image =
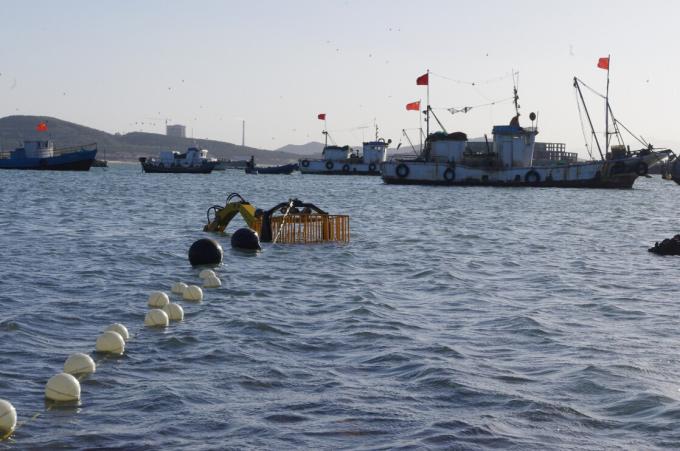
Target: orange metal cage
{"type": "Point", "coordinates": [302, 228]}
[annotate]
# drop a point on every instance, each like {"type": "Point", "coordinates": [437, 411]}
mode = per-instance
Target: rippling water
{"type": "Point", "coordinates": [456, 318]}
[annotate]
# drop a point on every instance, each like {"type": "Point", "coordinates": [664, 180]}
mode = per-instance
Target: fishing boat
{"type": "Point", "coordinates": [194, 161]}
{"type": "Point", "coordinates": [41, 155]}
{"type": "Point", "coordinates": [251, 168]}
{"type": "Point", "coordinates": [343, 160]}
{"type": "Point", "coordinates": [509, 160]}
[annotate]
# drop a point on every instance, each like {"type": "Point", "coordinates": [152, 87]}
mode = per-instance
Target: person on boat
{"type": "Point", "coordinates": [251, 163]}
{"type": "Point", "coordinates": [514, 122]}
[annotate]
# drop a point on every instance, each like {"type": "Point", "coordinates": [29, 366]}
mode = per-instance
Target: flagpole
{"type": "Point", "coordinates": [427, 120]}
{"type": "Point", "coordinates": [606, 111]}
{"type": "Point", "coordinates": [420, 127]}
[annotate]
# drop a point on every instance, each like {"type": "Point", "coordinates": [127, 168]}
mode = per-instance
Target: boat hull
{"type": "Point", "coordinates": [612, 174]}
{"type": "Point", "coordinates": [74, 161]}
{"type": "Point", "coordinates": [285, 169]}
{"type": "Point", "coordinates": [206, 168]}
{"type": "Point", "coordinates": [330, 167]}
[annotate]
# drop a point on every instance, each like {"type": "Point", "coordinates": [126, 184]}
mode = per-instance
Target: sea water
{"type": "Point", "coordinates": [455, 318]}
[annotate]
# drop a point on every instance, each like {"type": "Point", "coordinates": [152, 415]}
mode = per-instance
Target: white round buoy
{"type": "Point", "coordinates": [175, 311]}
{"type": "Point", "coordinates": [122, 330]}
{"type": "Point", "coordinates": [212, 282]}
{"type": "Point", "coordinates": [62, 387]}
{"type": "Point", "coordinates": [156, 318]}
{"type": "Point", "coordinates": [79, 363]}
{"type": "Point", "coordinates": [179, 287]}
{"type": "Point", "coordinates": [110, 342]}
{"type": "Point", "coordinates": [193, 293]}
{"type": "Point", "coordinates": [8, 418]}
{"type": "Point", "coordinates": [158, 299]}
{"type": "Point", "coordinates": [207, 273]}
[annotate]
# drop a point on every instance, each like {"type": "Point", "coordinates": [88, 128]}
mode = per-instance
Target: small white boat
{"type": "Point", "coordinates": [194, 161]}
{"type": "Point", "coordinates": [343, 160]}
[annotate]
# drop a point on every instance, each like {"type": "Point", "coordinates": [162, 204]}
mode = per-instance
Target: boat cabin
{"type": "Point", "coordinates": [336, 152]}
{"type": "Point", "coordinates": [35, 149]}
{"type": "Point", "coordinates": [375, 151]}
{"type": "Point", "coordinates": [514, 145]}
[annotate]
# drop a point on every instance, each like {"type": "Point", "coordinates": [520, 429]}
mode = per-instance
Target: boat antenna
{"type": "Point", "coordinates": [515, 87]}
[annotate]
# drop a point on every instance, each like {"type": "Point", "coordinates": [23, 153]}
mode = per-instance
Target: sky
{"type": "Point", "coordinates": [124, 65]}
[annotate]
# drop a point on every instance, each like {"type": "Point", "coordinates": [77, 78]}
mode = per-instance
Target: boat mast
{"type": "Point", "coordinates": [243, 133]}
{"type": "Point", "coordinates": [585, 107]}
{"type": "Point", "coordinates": [606, 110]}
{"type": "Point", "coordinates": [427, 118]}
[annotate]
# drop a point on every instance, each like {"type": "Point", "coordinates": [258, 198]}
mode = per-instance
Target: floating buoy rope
{"type": "Point", "coordinates": [65, 387]}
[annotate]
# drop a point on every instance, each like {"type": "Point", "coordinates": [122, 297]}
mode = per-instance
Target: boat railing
{"type": "Point", "coordinates": [83, 148]}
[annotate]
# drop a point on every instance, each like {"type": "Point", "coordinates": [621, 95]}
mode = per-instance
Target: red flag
{"type": "Point", "coordinates": [423, 79]}
{"type": "Point", "coordinates": [322, 116]}
{"type": "Point", "coordinates": [603, 63]}
{"type": "Point", "coordinates": [41, 127]}
{"type": "Point", "coordinates": [415, 106]}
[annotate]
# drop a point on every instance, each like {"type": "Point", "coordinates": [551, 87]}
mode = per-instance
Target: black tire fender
{"type": "Point", "coordinates": [402, 170]}
{"type": "Point", "coordinates": [450, 174]}
{"type": "Point", "coordinates": [304, 163]}
{"type": "Point", "coordinates": [329, 165]}
{"type": "Point", "coordinates": [532, 177]}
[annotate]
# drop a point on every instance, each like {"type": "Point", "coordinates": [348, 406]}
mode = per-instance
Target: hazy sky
{"type": "Point", "coordinates": [114, 65]}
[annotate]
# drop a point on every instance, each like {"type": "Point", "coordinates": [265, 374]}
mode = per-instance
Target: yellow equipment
{"type": "Point", "coordinates": [292, 222]}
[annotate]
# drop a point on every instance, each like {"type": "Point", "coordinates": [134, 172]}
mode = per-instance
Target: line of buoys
{"type": "Point", "coordinates": [110, 342]}
{"type": "Point", "coordinates": [63, 387]}
{"type": "Point", "coordinates": [193, 293]}
{"type": "Point", "coordinates": [157, 299]}
{"type": "Point", "coordinates": [8, 419]}
{"type": "Point", "coordinates": [156, 318]}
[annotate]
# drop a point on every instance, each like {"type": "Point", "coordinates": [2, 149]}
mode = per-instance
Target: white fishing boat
{"type": "Point", "coordinates": [343, 160]}
{"type": "Point", "coordinates": [194, 161]}
{"type": "Point", "coordinates": [449, 159]}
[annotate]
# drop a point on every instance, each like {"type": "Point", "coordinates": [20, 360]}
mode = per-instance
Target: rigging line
{"type": "Point", "coordinates": [507, 99]}
{"type": "Point", "coordinates": [472, 83]}
{"type": "Point", "coordinates": [639, 139]}
{"type": "Point", "coordinates": [591, 89]}
{"type": "Point", "coordinates": [583, 129]}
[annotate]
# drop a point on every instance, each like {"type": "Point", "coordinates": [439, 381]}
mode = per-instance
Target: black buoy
{"type": "Point", "coordinates": [247, 239]}
{"type": "Point", "coordinates": [205, 252]}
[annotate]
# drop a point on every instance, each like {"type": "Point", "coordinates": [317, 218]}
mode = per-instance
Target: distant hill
{"type": "Point", "coordinates": [128, 147]}
{"type": "Point", "coordinates": [311, 148]}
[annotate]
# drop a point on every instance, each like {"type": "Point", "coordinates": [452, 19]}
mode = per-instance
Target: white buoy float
{"type": "Point", "coordinates": [79, 363]}
{"type": "Point", "coordinates": [63, 388]}
{"type": "Point", "coordinates": [204, 274]}
{"type": "Point", "coordinates": [212, 282]}
{"type": "Point", "coordinates": [8, 418]}
{"type": "Point", "coordinates": [178, 287]}
{"type": "Point", "coordinates": [156, 318]}
{"type": "Point", "coordinates": [158, 299]}
{"type": "Point", "coordinates": [122, 330]}
{"type": "Point", "coordinates": [175, 312]}
{"type": "Point", "coordinates": [193, 293]}
{"type": "Point", "coordinates": [110, 342]}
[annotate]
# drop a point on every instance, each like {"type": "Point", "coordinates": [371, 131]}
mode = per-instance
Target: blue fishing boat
{"type": "Point", "coordinates": [41, 155]}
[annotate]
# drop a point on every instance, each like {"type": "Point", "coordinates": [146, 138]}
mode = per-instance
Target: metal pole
{"type": "Point", "coordinates": [427, 120]}
{"type": "Point", "coordinates": [420, 126]}
{"type": "Point", "coordinates": [606, 110]}
{"type": "Point", "coordinates": [243, 133]}
{"type": "Point", "coordinates": [578, 88]}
